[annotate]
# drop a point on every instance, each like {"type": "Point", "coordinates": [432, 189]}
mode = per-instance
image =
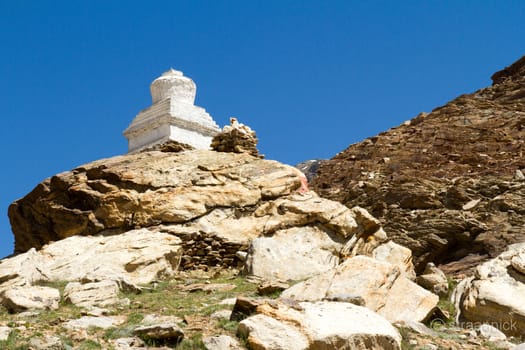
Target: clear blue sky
{"type": "Point", "coordinates": [311, 77]}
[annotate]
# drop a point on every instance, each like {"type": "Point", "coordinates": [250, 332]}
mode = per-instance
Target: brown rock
{"type": "Point", "coordinates": [269, 287]}
{"type": "Point", "coordinates": [142, 190]}
{"type": "Point", "coordinates": [443, 184]}
{"type": "Point", "coordinates": [244, 307]}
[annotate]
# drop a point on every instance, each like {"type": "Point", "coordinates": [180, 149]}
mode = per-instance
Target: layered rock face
{"type": "Point", "coordinates": [449, 185]}
{"type": "Point", "coordinates": [149, 189]}
{"type": "Point", "coordinates": [216, 203]}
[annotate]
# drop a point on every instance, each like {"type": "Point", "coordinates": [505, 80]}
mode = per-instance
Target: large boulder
{"type": "Point", "coordinates": [215, 202]}
{"type": "Point", "coordinates": [377, 285]}
{"type": "Point", "coordinates": [145, 189]}
{"type": "Point", "coordinates": [136, 257]}
{"type": "Point", "coordinates": [304, 251]}
{"type": "Point", "coordinates": [103, 293]}
{"type": "Point", "coordinates": [495, 294]}
{"type": "Point", "coordinates": [319, 325]}
{"type": "Point", "coordinates": [30, 297]}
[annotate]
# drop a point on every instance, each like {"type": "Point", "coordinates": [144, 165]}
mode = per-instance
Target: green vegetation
{"type": "Point", "coordinates": [193, 343]}
{"type": "Point", "coordinates": [89, 345]}
{"type": "Point", "coordinates": [167, 298]}
{"type": "Point", "coordinates": [14, 342]}
{"type": "Point", "coordinates": [228, 325]}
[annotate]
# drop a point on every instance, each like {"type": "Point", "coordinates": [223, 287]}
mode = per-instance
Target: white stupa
{"type": "Point", "coordinates": [172, 116]}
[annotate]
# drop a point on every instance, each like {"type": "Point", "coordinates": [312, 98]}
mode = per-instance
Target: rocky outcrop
{"type": "Point", "coordinates": [495, 294]}
{"type": "Point", "coordinates": [135, 219]}
{"type": "Point", "coordinates": [320, 325]}
{"type": "Point", "coordinates": [236, 138]}
{"type": "Point", "coordinates": [136, 257]}
{"type": "Point", "coordinates": [102, 267]}
{"type": "Point", "coordinates": [148, 189]}
{"type": "Point", "coordinates": [364, 281]}
{"type": "Point", "coordinates": [449, 184]}
{"type": "Point", "coordinates": [24, 298]}
{"type": "Point", "coordinates": [221, 342]}
{"type": "Point", "coordinates": [91, 294]}
{"type": "Point", "coordinates": [301, 252]}
{"type": "Point", "coordinates": [216, 203]}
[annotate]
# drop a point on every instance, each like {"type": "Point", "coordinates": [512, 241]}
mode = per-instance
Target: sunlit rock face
{"type": "Point", "coordinates": [172, 116]}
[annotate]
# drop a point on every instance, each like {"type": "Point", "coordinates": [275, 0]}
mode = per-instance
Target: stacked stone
{"type": "Point", "coordinates": [202, 251]}
{"type": "Point", "coordinates": [236, 138]}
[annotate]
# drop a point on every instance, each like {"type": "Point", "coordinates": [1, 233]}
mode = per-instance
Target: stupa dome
{"type": "Point", "coordinates": [173, 84]}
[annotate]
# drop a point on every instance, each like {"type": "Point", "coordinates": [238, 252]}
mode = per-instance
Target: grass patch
{"type": "Point", "coordinates": [193, 343]}
{"type": "Point", "coordinates": [166, 298]}
{"type": "Point", "coordinates": [90, 345]}
{"type": "Point", "coordinates": [14, 342]}
{"type": "Point", "coordinates": [228, 325]}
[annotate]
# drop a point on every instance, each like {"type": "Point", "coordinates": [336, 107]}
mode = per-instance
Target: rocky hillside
{"type": "Point", "coordinates": [95, 236]}
{"type": "Point", "coordinates": [449, 184]}
{"type": "Point", "coordinates": [219, 249]}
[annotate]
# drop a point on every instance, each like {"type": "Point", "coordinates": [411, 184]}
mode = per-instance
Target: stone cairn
{"type": "Point", "coordinates": [236, 138]}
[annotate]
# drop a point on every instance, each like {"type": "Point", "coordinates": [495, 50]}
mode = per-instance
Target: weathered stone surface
{"type": "Point", "coordinates": [101, 293]}
{"type": "Point", "coordinates": [162, 331]}
{"type": "Point", "coordinates": [301, 252]}
{"type": "Point", "coordinates": [433, 279]}
{"type": "Point", "coordinates": [266, 333]}
{"type": "Point", "coordinates": [215, 202]}
{"type": "Point", "coordinates": [133, 343]}
{"type": "Point", "coordinates": [221, 342]}
{"type": "Point", "coordinates": [140, 256]}
{"type": "Point", "coordinates": [518, 262]}
{"type": "Point", "coordinates": [21, 270]}
{"type": "Point", "coordinates": [4, 332]}
{"type": "Point", "coordinates": [25, 298]}
{"type": "Point", "coordinates": [221, 314]}
{"type": "Point", "coordinates": [320, 325]}
{"type": "Point", "coordinates": [144, 190]}
{"type": "Point", "coordinates": [269, 287]}
{"type": "Point", "coordinates": [87, 322]}
{"type": "Point", "coordinates": [244, 307]}
{"type": "Point", "coordinates": [46, 343]}
{"type": "Point", "coordinates": [396, 254]}
{"type": "Point", "coordinates": [136, 257]}
{"type": "Point", "coordinates": [292, 254]}
{"type": "Point", "coordinates": [152, 319]}
{"type": "Point", "coordinates": [443, 184]}
{"type": "Point", "coordinates": [494, 295]}
{"type": "Point", "coordinates": [209, 287]}
{"type": "Point", "coordinates": [379, 286]}
{"type": "Point", "coordinates": [236, 138]}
